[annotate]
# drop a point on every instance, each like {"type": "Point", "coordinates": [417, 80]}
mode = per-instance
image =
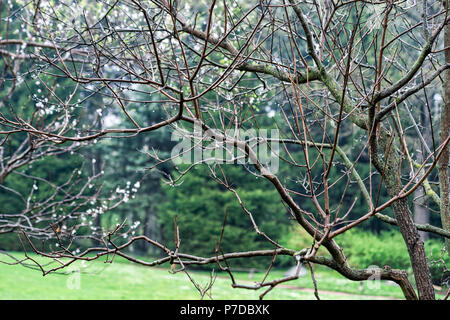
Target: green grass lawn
{"type": "Point", "coordinates": [124, 280]}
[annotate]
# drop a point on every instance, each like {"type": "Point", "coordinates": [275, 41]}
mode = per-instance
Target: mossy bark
{"type": "Point", "coordinates": [443, 135]}
{"type": "Point", "coordinates": [390, 168]}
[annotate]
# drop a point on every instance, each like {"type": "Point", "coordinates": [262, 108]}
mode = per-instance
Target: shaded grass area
{"type": "Point", "coordinates": [123, 280]}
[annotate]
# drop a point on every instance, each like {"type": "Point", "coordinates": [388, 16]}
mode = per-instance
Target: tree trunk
{"type": "Point", "coordinates": [416, 250]}
{"type": "Point", "coordinates": [443, 135]}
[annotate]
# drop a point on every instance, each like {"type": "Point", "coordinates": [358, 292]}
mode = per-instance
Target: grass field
{"type": "Point", "coordinates": [124, 280]}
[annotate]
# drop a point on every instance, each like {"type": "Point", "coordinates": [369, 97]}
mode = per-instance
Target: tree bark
{"type": "Point", "coordinates": [443, 134]}
{"type": "Point", "coordinates": [390, 169]}
{"type": "Point", "coordinates": [416, 250]}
